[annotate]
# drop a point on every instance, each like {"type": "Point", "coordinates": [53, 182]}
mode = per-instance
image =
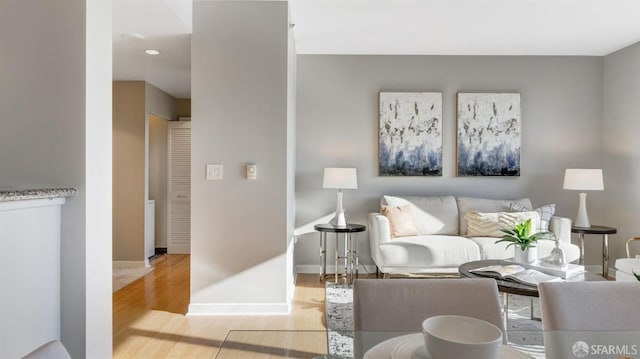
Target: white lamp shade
{"type": "Point", "coordinates": [583, 179]}
{"type": "Point", "coordinates": [340, 178]}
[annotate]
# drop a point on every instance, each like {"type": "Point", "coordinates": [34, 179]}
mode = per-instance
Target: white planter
{"type": "Point", "coordinates": [526, 257]}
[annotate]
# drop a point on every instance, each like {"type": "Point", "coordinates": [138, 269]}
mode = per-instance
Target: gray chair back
{"type": "Point", "coordinates": [386, 308]}
{"type": "Point", "coordinates": [588, 316]}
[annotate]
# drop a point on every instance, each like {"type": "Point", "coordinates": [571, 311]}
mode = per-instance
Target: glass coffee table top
{"type": "Point", "coordinates": [274, 344]}
{"type": "Point", "coordinates": [314, 344]}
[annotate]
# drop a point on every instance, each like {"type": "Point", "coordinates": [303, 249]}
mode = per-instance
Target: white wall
{"type": "Point", "coordinates": [337, 125]}
{"type": "Point", "coordinates": [55, 116]}
{"type": "Point", "coordinates": [239, 228]}
{"type": "Point", "coordinates": [621, 125]}
{"type": "Point", "coordinates": [98, 119]}
{"type": "Point", "coordinates": [291, 160]}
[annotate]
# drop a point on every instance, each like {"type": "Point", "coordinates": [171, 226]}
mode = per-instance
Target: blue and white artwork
{"type": "Point", "coordinates": [489, 134]}
{"type": "Point", "coordinates": [410, 134]}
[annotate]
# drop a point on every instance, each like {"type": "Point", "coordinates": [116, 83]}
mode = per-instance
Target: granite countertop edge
{"type": "Point", "coordinates": [39, 193]}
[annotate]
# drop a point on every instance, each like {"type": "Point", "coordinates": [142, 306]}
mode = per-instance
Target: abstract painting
{"type": "Point", "coordinates": [489, 134]}
{"type": "Point", "coordinates": [410, 134]}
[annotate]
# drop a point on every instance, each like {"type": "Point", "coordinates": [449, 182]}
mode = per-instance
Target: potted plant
{"type": "Point", "coordinates": [523, 241]}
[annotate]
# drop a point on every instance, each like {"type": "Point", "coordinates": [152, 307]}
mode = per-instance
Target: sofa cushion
{"type": "Point", "coordinates": [433, 215]}
{"type": "Point", "coordinates": [401, 222]}
{"type": "Point", "coordinates": [466, 204]}
{"type": "Point", "coordinates": [429, 251]}
{"type": "Point", "coordinates": [489, 249]}
{"type": "Point", "coordinates": [480, 224]}
{"type": "Point", "coordinates": [544, 212]}
{"type": "Point", "coordinates": [628, 265]}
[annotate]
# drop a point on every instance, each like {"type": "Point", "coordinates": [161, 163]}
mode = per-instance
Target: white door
{"type": "Point", "coordinates": [179, 216]}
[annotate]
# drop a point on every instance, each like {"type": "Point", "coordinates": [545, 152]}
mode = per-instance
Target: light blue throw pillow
{"type": "Point", "coordinates": [544, 212]}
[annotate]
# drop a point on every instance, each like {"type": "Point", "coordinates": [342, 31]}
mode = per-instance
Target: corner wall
{"type": "Point", "coordinates": [239, 228]}
{"type": "Point", "coordinates": [134, 102]}
{"type": "Point", "coordinates": [337, 125]}
{"type": "Point", "coordinates": [129, 113]}
{"type": "Point", "coordinates": [621, 125]}
{"type": "Point", "coordinates": [55, 116]}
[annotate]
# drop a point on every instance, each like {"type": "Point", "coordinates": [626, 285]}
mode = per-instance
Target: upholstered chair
{"type": "Point", "coordinates": [384, 309]}
{"type": "Point", "coordinates": [626, 266]}
{"type": "Point", "coordinates": [600, 314]}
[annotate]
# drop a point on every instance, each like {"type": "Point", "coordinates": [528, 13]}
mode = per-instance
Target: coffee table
{"type": "Point", "coordinates": [508, 287]}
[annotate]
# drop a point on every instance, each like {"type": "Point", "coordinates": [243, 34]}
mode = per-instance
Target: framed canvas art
{"type": "Point", "coordinates": [410, 134]}
{"type": "Point", "coordinates": [489, 134]}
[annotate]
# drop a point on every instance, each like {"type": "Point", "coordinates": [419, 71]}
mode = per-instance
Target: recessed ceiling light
{"type": "Point", "coordinates": [152, 52]}
{"type": "Point", "coordinates": [133, 36]}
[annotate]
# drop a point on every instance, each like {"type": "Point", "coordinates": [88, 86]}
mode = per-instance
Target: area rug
{"type": "Point", "coordinates": [125, 275]}
{"type": "Point", "coordinates": [523, 333]}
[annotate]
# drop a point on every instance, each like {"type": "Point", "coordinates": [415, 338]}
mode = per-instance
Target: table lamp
{"type": "Point", "coordinates": [340, 178]}
{"type": "Point", "coordinates": [583, 180]}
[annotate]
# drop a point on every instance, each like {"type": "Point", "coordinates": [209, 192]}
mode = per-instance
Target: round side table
{"type": "Point", "coordinates": [604, 231]}
{"type": "Point", "coordinates": [350, 250]}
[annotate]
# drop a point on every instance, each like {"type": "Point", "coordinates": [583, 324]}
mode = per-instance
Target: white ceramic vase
{"type": "Point", "coordinates": [527, 256]}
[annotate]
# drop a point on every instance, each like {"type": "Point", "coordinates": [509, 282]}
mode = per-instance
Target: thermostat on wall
{"type": "Point", "coordinates": [252, 172]}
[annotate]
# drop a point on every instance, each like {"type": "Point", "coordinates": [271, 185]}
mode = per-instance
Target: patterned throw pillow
{"type": "Point", "coordinates": [401, 222]}
{"type": "Point", "coordinates": [490, 224]}
{"type": "Point", "coordinates": [544, 212]}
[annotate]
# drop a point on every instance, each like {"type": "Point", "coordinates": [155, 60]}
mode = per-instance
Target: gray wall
{"type": "Point", "coordinates": [129, 185]}
{"type": "Point", "coordinates": [158, 132]}
{"type": "Point", "coordinates": [337, 125]}
{"type": "Point", "coordinates": [165, 107]}
{"type": "Point", "coordinates": [621, 126]}
{"type": "Point", "coordinates": [239, 116]}
{"type": "Point", "coordinates": [55, 130]}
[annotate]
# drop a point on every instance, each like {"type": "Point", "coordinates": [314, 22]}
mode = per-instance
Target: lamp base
{"type": "Point", "coordinates": [339, 220]}
{"type": "Point", "coordinates": [582, 219]}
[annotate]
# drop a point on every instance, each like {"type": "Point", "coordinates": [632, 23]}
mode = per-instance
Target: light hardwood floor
{"type": "Point", "coordinates": [149, 319]}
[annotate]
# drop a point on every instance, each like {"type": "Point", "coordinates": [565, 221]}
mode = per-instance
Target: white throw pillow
{"type": "Point", "coordinates": [481, 224]}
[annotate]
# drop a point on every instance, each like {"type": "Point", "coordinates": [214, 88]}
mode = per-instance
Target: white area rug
{"type": "Point", "coordinates": [523, 333]}
{"type": "Point", "coordinates": [124, 275]}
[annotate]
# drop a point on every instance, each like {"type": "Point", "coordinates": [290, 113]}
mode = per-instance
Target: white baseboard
{"type": "Point", "coordinates": [204, 309]}
{"type": "Point", "coordinates": [315, 269]}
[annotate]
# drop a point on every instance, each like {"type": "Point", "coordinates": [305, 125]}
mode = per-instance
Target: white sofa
{"type": "Point", "coordinates": [625, 267]}
{"type": "Point", "coordinates": [441, 245]}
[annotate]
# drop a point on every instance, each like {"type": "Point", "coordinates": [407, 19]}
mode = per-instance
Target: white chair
{"type": "Point", "coordinates": [588, 316]}
{"type": "Point", "coordinates": [383, 309]}
{"type": "Point", "coordinates": [51, 350]}
{"type": "Point", "coordinates": [626, 266]}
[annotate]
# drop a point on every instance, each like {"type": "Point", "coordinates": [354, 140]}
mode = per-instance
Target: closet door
{"type": "Point", "coordinates": [179, 216]}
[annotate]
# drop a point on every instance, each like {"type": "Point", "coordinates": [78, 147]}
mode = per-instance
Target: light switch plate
{"type": "Point", "coordinates": [215, 171]}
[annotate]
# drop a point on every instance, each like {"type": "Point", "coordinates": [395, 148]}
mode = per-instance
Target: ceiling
{"type": "Point", "coordinates": [416, 27]}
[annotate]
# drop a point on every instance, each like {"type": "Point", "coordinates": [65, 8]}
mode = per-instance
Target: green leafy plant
{"type": "Point", "coordinates": [635, 274]}
{"type": "Point", "coordinates": [521, 236]}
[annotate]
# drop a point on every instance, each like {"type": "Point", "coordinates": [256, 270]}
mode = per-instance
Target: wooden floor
{"type": "Point", "coordinates": [149, 317]}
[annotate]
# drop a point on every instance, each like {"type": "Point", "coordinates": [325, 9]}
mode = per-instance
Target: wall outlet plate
{"type": "Point", "coordinates": [215, 171]}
